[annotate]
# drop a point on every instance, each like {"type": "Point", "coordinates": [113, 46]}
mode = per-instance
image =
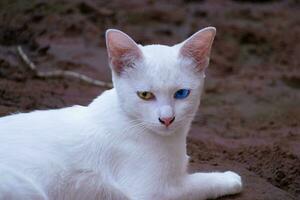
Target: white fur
{"type": "Point", "coordinates": [115, 148]}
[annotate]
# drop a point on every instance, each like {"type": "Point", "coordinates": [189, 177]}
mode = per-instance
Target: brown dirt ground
{"type": "Point", "coordinates": [249, 119]}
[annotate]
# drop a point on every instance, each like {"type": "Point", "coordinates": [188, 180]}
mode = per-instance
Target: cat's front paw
{"type": "Point", "coordinates": [233, 183]}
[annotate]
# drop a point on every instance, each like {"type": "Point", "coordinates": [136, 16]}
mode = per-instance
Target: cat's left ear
{"type": "Point", "coordinates": [198, 47]}
{"type": "Point", "coordinates": [122, 50]}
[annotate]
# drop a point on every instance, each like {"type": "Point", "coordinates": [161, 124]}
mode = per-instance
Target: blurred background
{"type": "Point", "coordinates": [249, 119]}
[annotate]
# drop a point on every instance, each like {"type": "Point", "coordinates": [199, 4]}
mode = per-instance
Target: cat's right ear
{"type": "Point", "coordinates": [122, 50]}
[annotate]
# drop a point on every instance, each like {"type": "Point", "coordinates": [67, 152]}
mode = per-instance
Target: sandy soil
{"type": "Point", "coordinates": [249, 119]}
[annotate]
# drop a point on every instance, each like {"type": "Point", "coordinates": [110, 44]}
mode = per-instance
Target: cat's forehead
{"type": "Point", "coordinates": [162, 68]}
{"type": "Point", "coordinates": [160, 55]}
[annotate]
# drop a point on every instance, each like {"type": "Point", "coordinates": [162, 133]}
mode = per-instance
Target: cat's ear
{"type": "Point", "coordinates": [122, 50]}
{"type": "Point", "coordinates": [198, 47]}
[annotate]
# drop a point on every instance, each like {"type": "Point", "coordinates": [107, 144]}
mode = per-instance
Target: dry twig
{"type": "Point", "coordinates": [59, 73]}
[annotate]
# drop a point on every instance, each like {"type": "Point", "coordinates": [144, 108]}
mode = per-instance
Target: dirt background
{"type": "Point", "coordinates": [249, 119]}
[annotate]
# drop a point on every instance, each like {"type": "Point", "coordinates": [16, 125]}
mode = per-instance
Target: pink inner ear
{"type": "Point", "coordinates": [198, 47]}
{"type": "Point", "coordinates": [122, 50]}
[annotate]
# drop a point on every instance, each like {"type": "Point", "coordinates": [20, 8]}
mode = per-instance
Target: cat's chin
{"type": "Point", "coordinates": [163, 131]}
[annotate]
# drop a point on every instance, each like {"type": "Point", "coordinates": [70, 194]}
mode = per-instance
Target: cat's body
{"type": "Point", "coordinates": [105, 150]}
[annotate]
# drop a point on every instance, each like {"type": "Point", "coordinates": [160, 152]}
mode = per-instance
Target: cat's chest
{"type": "Point", "coordinates": [132, 157]}
{"type": "Point", "coordinates": [136, 164]}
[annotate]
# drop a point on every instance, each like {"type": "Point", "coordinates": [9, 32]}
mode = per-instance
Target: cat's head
{"type": "Point", "coordinates": [159, 86]}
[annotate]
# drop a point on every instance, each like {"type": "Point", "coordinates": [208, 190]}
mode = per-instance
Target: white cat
{"type": "Point", "coordinates": [129, 143]}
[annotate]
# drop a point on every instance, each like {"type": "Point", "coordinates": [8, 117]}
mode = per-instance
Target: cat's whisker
{"type": "Point", "coordinates": [132, 127]}
{"type": "Point", "coordinates": [185, 118]}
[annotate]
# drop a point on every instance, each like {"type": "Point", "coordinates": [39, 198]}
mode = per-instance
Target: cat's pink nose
{"type": "Point", "coordinates": [166, 120]}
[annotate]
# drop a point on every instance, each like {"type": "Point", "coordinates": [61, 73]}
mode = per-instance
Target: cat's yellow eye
{"type": "Point", "coordinates": [146, 95]}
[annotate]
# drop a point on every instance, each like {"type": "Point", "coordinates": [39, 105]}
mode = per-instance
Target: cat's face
{"type": "Point", "coordinates": [159, 86]}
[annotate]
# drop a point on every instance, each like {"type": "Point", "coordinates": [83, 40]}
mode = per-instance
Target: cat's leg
{"type": "Point", "coordinates": [201, 186]}
{"type": "Point", "coordinates": [14, 185]}
{"type": "Point", "coordinates": [84, 184]}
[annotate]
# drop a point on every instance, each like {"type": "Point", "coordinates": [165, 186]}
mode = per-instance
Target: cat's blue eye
{"type": "Point", "coordinates": [182, 94]}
